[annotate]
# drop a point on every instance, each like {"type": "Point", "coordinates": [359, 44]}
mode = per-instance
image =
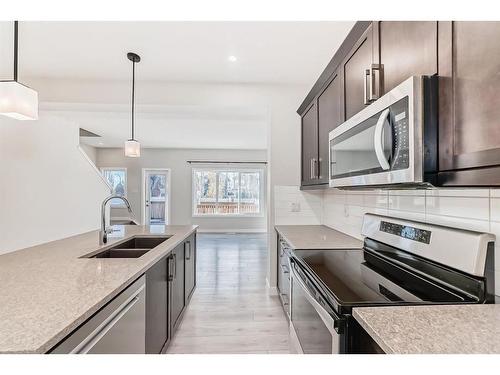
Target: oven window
{"type": "Point", "coordinates": [314, 337]}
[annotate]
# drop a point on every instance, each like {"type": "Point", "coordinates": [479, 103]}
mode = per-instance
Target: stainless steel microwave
{"type": "Point", "coordinates": [391, 143]}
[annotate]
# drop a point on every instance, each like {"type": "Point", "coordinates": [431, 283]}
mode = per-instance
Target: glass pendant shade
{"type": "Point", "coordinates": [18, 101]}
{"type": "Point", "coordinates": [132, 148]}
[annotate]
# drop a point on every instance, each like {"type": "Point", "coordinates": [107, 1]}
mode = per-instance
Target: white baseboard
{"type": "Point", "coordinates": [201, 230]}
{"type": "Point", "coordinates": [271, 290]}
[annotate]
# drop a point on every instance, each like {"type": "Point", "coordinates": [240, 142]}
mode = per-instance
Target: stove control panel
{"type": "Point", "coordinates": [405, 231]}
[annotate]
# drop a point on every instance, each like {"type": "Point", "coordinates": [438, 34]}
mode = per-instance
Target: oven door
{"type": "Point", "coordinates": [380, 145]}
{"type": "Point", "coordinates": [315, 328]}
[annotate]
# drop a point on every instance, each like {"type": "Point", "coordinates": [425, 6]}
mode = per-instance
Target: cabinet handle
{"type": "Point", "coordinates": [366, 86]}
{"type": "Point", "coordinates": [175, 266]}
{"type": "Point", "coordinates": [311, 169]}
{"type": "Point", "coordinates": [375, 71]}
{"type": "Point", "coordinates": [319, 168]}
{"type": "Point", "coordinates": [188, 245]}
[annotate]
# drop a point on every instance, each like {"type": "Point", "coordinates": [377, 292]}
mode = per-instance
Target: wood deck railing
{"type": "Point", "coordinates": [222, 208]}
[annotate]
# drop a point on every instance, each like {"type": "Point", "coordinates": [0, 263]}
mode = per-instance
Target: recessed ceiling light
{"type": "Point", "coordinates": [232, 58]}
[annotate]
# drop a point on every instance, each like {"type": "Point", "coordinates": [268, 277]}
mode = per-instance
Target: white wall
{"type": "Point", "coordinates": [90, 151]}
{"type": "Point", "coordinates": [181, 180]}
{"type": "Point", "coordinates": [48, 188]}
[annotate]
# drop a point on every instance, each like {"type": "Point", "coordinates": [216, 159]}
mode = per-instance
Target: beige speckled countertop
{"type": "Point", "coordinates": [316, 237]}
{"type": "Point", "coordinates": [47, 290]}
{"type": "Point", "coordinates": [444, 329]}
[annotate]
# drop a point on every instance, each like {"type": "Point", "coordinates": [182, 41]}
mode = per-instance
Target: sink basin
{"type": "Point", "coordinates": [132, 248]}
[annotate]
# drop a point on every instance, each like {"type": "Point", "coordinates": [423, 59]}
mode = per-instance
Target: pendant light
{"type": "Point", "coordinates": [17, 100]}
{"type": "Point", "coordinates": [132, 147]}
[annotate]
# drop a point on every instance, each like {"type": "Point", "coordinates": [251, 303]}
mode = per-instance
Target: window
{"type": "Point", "coordinates": [117, 179]}
{"type": "Point", "coordinates": [227, 192]}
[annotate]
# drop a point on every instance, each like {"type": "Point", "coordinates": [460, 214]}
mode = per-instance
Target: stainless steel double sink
{"type": "Point", "coordinates": [134, 247]}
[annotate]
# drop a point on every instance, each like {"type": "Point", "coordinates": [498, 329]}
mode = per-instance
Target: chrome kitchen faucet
{"type": "Point", "coordinates": [103, 234]}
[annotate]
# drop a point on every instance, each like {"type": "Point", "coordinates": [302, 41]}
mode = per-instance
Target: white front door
{"type": "Point", "coordinates": [156, 194]}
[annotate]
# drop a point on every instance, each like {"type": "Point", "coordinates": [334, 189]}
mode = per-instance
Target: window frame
{"type": "Point", "coordinates": [217, 171]}
{"type": "Point", "coordinates": [104, 169]}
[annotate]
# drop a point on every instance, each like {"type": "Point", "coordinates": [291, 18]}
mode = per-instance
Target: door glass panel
{"type": "Point", "coordinates": [250, 193]}
{"type": "Point", "coordinates": [228, 193]}
{"type": "Point", "coordinates": [157, 193]}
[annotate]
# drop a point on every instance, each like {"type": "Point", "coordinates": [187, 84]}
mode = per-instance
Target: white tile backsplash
{"type": "Point", "coordinates": [474, 209]}
{"type": "Point", "coordinates": [293, 206]}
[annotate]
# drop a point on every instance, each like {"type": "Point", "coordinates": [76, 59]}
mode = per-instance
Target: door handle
{"type": "Point", "coordinates": [378, 140]}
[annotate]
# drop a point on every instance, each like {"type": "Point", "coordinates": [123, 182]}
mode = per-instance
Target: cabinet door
{"type": "Point", "coordinates": [177, 301]}
{"type": "Point", "coordinates": [329, 117]}
{"type": "Point", "coordinates": [190, 267]}
{"type": "Point", "coordinates": [469, 114]}
{"type": "Point", "coordinates": [354, 76]}
{"type": "Point", "coordinates": [406, 48]}
{"type": "Point", "coordinates": [157, 328]}
{"type": "Point", "coordinates": [309, 145]}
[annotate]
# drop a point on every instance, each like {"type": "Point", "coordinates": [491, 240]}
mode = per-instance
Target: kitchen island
{"type": "Point", "coordinates": [51, 289]}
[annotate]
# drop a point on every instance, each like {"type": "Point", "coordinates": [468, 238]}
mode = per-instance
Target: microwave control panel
{"type": "Point", "coordinates": [400, 130]}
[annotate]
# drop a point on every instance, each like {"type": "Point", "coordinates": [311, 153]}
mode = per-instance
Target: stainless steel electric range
{"type": "Point", "coordinates": [402, 262]}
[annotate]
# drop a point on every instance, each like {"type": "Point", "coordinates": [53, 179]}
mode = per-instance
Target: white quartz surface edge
{"type": "Point", "coordinates": [436, 329]}
{"type": "Point", "coordinates": [316, 237]}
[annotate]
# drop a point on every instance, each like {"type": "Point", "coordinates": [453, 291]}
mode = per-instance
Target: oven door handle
{"type": "Point", "coordinates": [378, 140]}
{"type": "Point", "coordinates": [333, 322]}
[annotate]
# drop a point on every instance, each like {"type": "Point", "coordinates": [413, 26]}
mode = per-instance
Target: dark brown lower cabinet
{"type": "Point", "coordinates": [170, 284]}
{"type": "Point", "coordinates": [190, 267]}
{"type": "Point", "coordinates": [177, 286]}
{"type": "Point", "coordinates": [157, 327]}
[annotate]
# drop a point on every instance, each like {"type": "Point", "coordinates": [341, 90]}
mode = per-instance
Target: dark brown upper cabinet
{"type": "Point", "coordinates": [469, 110]}
{"type": "Point", "coordinates": [359, 76]}
{"type": "Point", "coordinates": [329, 117]}
{"type": "Point", "coordinates": [309, 145]}
{"type": "Point", "coordinates": [403, 49]}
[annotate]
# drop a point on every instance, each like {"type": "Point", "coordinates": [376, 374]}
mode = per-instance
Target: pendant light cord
{"type": "Point", "coordinates": [133, 96]}
{"type": "Point", "coordinates": [15, 50]}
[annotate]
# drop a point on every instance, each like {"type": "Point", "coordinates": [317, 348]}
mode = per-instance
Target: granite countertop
{"type": "Point", "coordinates": [444, 329]}
{"type": "Point", "coordinates": [316, 237]}
{"type": "Point", "coordinates": [48, 290]}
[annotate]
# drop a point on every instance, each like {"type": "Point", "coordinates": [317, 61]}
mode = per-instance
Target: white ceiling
{"type": "Point", "coordinates": [267, 52]}
{"type": "Point", "coordinates": [171, 52]}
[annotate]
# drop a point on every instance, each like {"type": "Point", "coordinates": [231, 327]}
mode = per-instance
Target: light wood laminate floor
{"type": "Point", "coordinates": [231, 310]}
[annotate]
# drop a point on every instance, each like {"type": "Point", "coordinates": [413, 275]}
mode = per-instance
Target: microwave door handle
{"type": "Point", "coordinates": [378, 140]}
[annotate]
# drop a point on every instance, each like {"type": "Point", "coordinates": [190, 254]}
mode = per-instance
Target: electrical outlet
{"type": "Point", "coordinates": [295, 207]}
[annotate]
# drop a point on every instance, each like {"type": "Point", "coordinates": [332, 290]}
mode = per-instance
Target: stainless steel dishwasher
{"type": "Point", "coordinates": [118, 328]}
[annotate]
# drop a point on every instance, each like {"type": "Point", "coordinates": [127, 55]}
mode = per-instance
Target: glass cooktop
{"type": "Point", "coordinates": [351, 278]}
